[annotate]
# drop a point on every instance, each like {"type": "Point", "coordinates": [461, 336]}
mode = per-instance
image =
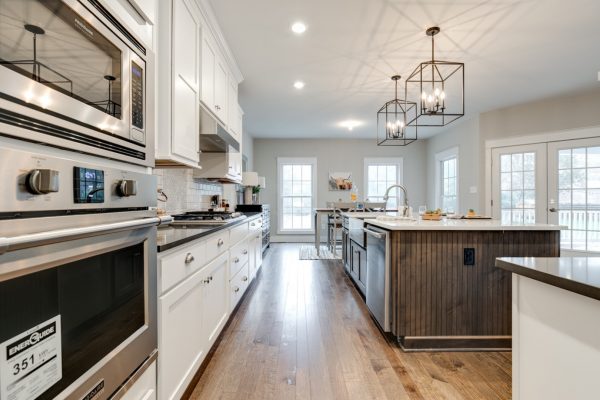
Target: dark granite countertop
{"type": "Point", "coordinates": [577, 274]}
{"type": "Point", "coordinates": [170, 236]}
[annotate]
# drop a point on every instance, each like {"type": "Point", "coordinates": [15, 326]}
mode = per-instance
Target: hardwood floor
{"type": "Point", "coordinates": [304, 333]}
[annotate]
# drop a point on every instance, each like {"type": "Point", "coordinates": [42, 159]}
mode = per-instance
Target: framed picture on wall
{"type": "Point", "coordinates": [340, 181]}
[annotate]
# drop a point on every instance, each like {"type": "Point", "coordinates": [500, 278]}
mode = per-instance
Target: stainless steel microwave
{"type": "Point", "coordinates": [72, 76]}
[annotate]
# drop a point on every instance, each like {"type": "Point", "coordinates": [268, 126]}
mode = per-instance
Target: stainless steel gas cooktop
{"type": "Point", "coordinates": [206, 218]}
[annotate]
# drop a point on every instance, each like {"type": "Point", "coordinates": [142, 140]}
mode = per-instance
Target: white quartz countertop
{"type": "Point", "coordinates": [460, 225]}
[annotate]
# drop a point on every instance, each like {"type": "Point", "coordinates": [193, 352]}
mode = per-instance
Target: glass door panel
{"type": "Point", "coordinates": [519, 184]}
{"type": "Point", "coordinates": [574, 193]}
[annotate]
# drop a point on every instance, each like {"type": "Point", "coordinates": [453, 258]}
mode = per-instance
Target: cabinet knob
{"type": "Point", "coordinates": [257, 236]}
{"type": "Point", "coordinates": [236, 260]}
{"type": "Point", "coordinates": [189, 258]}
{"type": "Point", "coordinates": [245, 252]}
{"type": "Point", "coordinates": [206, 281]}
{"type": "Point", "coordinates": [220, 242]}
{"type": "Point", "coordinates": [210, 278]}
{"type": "Point", "coordinates": [245, 278]}
{"type": "Point", "coordinates": [237, 289]}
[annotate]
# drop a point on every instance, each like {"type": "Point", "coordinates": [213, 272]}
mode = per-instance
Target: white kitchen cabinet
{"type": "Point", "coordinates": [233, 110]}
{"type": "Point", "coordinates": [214, 79]}
{"type": "Point", "coordinates": [181, 342]}
{"type": "Point", "coordinates": [208, 71]}
{"type": "Point", "coordinates": [215, 304]}
{"type": "Point", "coordinates": [178, 84]}
{"type": "Point", "coordinates": [145, 387]}
{"type": "Point", "coordinates": [221, 91]}
{"type": "Point", "coordinates": [238, 285]}
{"type": "Point", "coordinates": [240, 122]}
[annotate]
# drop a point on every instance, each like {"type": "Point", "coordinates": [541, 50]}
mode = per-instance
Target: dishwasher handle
{"type": "Point", "coordinates": [378, 235]}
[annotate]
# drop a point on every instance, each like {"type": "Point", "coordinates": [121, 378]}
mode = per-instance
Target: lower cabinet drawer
{"type": "Point", "coordinates": [239, 233]}
{"type": "Point", "coordinates": [238, 257]}
{"type": "Point", "coordinates": [175, 267]}
{"type": "Point", "coordinates": [217, 244]}
{"type": "Point", "coordinates": [256, 224]}
{"type": "Point", "coordinates": [238, 286]}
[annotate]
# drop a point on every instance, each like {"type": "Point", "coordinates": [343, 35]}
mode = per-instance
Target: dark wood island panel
{"type": "Point", "coordinates": [438, 302]}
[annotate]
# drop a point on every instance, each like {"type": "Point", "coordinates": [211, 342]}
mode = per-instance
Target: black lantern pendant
{"type": "Point", "coordinates": [394, 121]}
{"type": "Point", "coordinates": [440, 86]}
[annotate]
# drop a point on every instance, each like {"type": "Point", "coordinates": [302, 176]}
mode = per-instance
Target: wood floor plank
{"type": "Point", "coordinates": [303, 332]}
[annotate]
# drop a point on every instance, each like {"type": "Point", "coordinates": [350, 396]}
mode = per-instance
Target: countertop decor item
{"type": "Point", "coordinates": [249, 180]}
{"type": "Point", "coordinates": [394, 121]}
{"type": "Point", "coordinates": [440, 86]}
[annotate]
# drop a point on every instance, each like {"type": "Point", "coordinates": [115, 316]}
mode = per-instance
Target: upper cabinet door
{"type": "Point", "coordinates": [208, 72]}
{"type": "Point", "coordinates": [233, 108]}
{"type": "Point", "coordinates": [185, 107]}
{"type": "Point", "coordinates": [221, 91]}
{"type": "Point", "coordinates": [186, 31]}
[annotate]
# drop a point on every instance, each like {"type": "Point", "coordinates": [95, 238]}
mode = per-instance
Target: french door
{"type": "Point", "coordinates": [519, 184]}
{"type": "Point", "coordinates": [574, 193]}
{"type": "Point", "coordinates": [557, 183]}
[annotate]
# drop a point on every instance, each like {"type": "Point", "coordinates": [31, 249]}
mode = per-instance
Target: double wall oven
{"type": "Point", "coordinates": [77, 273]}
{"type": "Point", "coordinates": [72, 76]}
{"type": "Point", "coordinates": [78, 205]}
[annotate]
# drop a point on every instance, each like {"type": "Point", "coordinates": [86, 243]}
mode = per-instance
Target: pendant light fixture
{"type": "Point", "coordinates": [394, 121]}
{"type": "Point", "coordinates": [439, 86]}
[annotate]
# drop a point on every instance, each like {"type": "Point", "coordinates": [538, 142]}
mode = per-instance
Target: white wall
{"type": "Point", "coordinates": [336, 155]}
{"type": "Point", "coordinates": [248, 149]}
{"type": "Point", "coordinates": [465, 136]}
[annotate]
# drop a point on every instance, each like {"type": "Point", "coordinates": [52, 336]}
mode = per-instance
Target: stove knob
{"type": "Point", "coordinates": [42, 181]}
{"type": "Point", "coordinates": [126, 188]}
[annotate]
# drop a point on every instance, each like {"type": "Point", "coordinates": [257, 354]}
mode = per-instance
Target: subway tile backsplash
{"type": "Point", "coordinates": [185, 192]}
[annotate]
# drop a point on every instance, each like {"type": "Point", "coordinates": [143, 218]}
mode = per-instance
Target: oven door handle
{"type": "Point", "coordinates": [61, 235]}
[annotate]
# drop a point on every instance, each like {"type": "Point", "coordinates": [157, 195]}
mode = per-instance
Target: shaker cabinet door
{"type": "Point", "coordinates": [215, 307]}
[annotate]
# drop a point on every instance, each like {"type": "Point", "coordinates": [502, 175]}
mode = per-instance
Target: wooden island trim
{"type": "Point", "coordinates": [438, 303]}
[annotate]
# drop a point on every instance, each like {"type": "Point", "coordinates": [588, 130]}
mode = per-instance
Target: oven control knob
{"type": "Point", "coordinates": [126, 188]}
{"type": "Point", "coordinates": [42, 181]}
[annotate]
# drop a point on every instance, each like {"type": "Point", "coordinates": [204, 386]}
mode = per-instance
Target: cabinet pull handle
{"type": "Point", "coordinates": [236, 260]}
{"type": "Point", "coordinates": [189, 258]}
{"type": "Point", "coordinates": [220, 242]}
{"type": "Point", "coordinates": [245, 252]}
{"type": "Point", "coordinates": [245, 278]}
{"type": "Point", "coordinates": [210, 278]}
{"type": "Point", "coordinates": [237, 289]}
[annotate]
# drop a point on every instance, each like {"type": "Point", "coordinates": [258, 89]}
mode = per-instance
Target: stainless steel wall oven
{"type": "Point", "coordinates": [72, 76]}
{"type": "Point", "coordinates": [77, 274]}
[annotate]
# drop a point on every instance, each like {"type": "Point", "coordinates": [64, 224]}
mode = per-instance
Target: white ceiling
{"type": "Point", "coordinates": [514, 51]}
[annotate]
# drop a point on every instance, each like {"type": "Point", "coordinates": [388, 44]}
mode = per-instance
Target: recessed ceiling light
{"type": "Point", "coordinates": [299, 85]}
{"type": "Point", "coordinates": [350, 124]}
{"type": "Point", "coordinates": [298, 28]}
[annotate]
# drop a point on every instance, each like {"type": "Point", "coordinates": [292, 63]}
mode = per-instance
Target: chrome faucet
{"type": "Point", "coordinates": [386, 197]}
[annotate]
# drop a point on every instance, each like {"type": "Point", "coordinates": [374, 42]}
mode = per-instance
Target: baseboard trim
{"type": "Point", "coordinates": [455, 343]}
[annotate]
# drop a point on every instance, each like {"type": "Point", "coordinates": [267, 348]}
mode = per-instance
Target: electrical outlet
{"type": "Point", "coordinates": [469, 256]}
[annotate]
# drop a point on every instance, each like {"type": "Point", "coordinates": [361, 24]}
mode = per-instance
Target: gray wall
{"type": "Point", "coordinates": [540, 117]}
{"type": "Point", "coordinates": [465, 136]}
{"type": "Point", "coordinates": [248, 149]}
{"type": "Point", "coordinates": [570, 111]}
{"type": "Point", "coordinates": [337, 155]}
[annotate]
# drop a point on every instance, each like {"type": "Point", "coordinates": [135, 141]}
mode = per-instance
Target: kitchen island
{"type": "Point", "coordinates": [556, 346]}
{"type": "Point", "coordinates": [444, 290]}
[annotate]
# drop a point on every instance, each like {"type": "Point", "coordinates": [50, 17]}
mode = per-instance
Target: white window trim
{"type": "Point", "coordinates": [295, 160]}
{"type": "Point", "coordinates": [399, 161]}
{"type": "Point", "coordinates": [443, 156]}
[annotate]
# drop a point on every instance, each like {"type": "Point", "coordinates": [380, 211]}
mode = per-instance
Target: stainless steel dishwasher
{"type": "Point", "coordinates": [378, 275]}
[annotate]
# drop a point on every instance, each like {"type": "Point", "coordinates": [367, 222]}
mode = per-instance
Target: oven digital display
{"type": "Point", "coordinates": [88, 185]}
{"type": "Point", "coordinates": [137, 96]}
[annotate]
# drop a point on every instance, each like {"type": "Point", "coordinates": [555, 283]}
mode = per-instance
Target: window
{"type": "Point", "coordinates": [447, 180]}
{"type": "Point", "coordinates": [381, 173]}
{"type": "Point", "coordinates": [297, 194]}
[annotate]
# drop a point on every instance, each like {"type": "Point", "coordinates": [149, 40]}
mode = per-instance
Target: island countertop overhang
{"type": "Point", "coordinates": [460, 225]}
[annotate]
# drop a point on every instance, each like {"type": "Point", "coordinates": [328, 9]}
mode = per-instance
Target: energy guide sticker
{"type": "Point", "coordinates": [31, 362]}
